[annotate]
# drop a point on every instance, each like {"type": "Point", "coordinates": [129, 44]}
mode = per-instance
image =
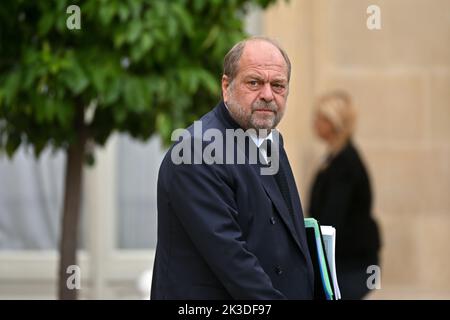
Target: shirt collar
{"type": "Point", "coordinates": [259, 140]}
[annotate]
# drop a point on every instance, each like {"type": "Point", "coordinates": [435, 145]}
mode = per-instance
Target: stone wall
{"type": "Point", "coordinates": [399, 77]}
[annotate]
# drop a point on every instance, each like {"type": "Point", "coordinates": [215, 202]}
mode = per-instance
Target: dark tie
{"type": "Point", "coordinates": [280, 177]}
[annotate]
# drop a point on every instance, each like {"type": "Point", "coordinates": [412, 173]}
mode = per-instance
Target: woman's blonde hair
{"type": "Point", "coordinates": [337, 107]}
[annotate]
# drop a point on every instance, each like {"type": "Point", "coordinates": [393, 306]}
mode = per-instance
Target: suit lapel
{"type": "Point", "coordinates": [296, 204]}
{"type": "Point", "coordinates": [272, 190]}
{"type": "Point", "coordinates": [274, 193]}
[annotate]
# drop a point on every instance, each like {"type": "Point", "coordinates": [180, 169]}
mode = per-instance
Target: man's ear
{"type": "Point", "coordinates": [225, 85]}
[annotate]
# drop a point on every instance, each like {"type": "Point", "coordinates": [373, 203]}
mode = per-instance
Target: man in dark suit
{"type": "Point", "coordinates": [226, 230]}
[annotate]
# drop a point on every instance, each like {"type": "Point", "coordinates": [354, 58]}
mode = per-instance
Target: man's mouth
{"type": "Point", "coordinates": [264, 110]}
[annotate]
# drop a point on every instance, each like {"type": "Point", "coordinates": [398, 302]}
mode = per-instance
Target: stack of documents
{"type": "Point", "coordinates": [322, 244]}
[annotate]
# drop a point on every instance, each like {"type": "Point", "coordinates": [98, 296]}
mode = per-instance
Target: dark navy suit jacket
{"type": "Point", "coordinates": [225, 232]}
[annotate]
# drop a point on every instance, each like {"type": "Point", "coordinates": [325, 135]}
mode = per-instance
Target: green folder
{"type": "Point", "coordinates": [323, 283]}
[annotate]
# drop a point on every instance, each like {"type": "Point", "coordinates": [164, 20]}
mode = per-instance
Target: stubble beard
{"type": "Point", "coordinates": [251, 119]}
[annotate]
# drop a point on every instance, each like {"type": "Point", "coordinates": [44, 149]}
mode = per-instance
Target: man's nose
{"type": "Point", "coordinates": [266, 93]}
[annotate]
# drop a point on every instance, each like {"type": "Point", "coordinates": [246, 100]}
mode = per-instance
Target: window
{"type": "Point", "coordinates": [138, 165]}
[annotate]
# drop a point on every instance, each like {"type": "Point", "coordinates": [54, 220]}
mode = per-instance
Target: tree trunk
{"type": "Point", "coordinates": [68, 288]}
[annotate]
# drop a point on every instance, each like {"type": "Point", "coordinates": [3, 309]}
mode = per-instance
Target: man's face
{"type": "Point", "coordinates": [257, 95]}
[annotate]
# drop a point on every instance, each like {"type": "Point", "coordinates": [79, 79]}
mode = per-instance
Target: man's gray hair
{"type": "Point", "coordinates": [231, 60]}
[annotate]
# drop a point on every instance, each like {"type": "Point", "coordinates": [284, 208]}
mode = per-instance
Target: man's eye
{"type": "Point", "coordinates": [278, 87]}
{"type": "Point", "coordinates": [253, 83]}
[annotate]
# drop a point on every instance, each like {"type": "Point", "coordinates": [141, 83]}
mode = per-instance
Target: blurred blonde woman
{"type": "Point", "coordinates": [341, 195]}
